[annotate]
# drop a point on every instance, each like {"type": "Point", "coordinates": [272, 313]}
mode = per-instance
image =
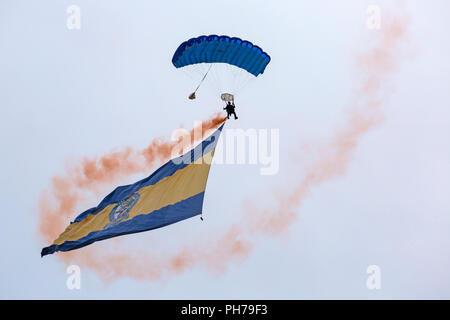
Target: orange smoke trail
{"type": "Point", "coordinates": [237, 241]}
{"type": "Point", "coordinates": [375, 67]}
{"type": "Point", "coordinates": [142, 265]}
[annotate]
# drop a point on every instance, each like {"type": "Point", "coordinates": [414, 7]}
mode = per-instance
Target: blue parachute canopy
{"type": "Point", "coordinates": [213, 48]}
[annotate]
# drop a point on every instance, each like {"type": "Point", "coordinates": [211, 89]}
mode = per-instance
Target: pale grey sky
{"type": "Point", "coordinates": [66, 94]}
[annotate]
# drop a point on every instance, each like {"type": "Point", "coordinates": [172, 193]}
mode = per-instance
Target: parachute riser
{"type": "Point", "coordinates": [192, 95]}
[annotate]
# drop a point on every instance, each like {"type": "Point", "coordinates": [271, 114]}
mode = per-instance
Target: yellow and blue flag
{"type": "Point", "coordinates": [172, 193]}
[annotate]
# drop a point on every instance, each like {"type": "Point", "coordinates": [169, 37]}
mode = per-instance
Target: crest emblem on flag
{"type": "Point", "coordinates": [121, 210]}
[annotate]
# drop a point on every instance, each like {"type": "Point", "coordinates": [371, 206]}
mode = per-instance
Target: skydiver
{"type": "Point", "coordinates": [230, 110]}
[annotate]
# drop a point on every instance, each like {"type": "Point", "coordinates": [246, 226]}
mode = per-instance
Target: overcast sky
{"type": "Point", "coordinates": [67, 94]}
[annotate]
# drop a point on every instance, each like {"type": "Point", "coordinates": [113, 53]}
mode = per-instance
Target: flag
{"type": "Point", "coordinates": [172, 193]}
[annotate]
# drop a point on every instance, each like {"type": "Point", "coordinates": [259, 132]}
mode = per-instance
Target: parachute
{"type": "Point", "coordinates": [231, 63]}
